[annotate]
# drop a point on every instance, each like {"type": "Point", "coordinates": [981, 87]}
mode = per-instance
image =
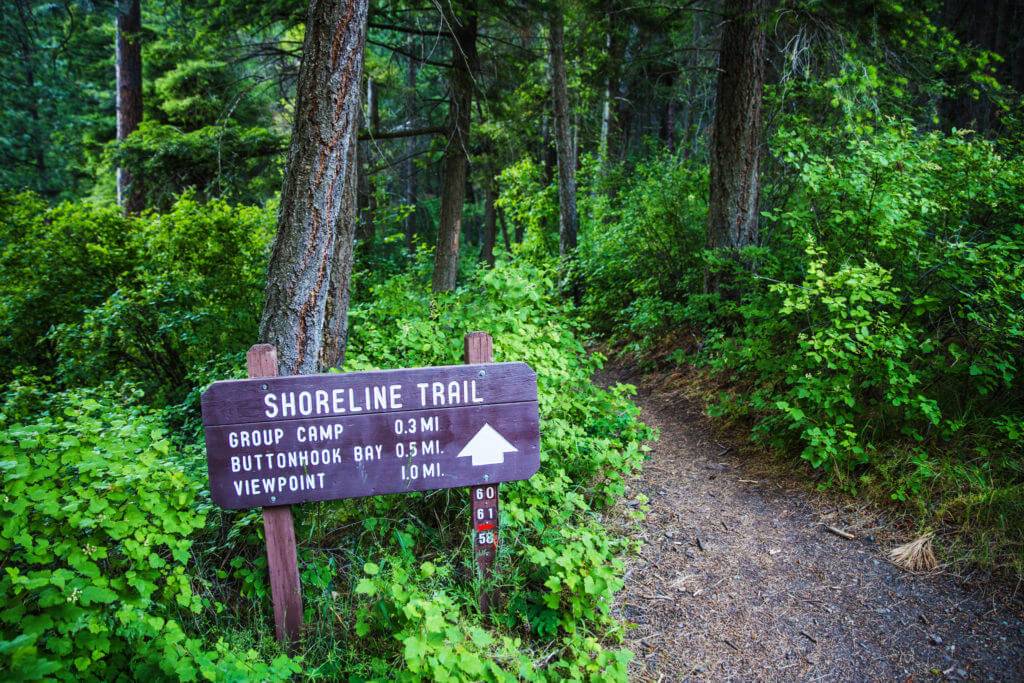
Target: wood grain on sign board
{"type": "Point", "coordinates": [279, 530]}
{"type": "Point", "coordinates": [242, 401]}
{"type": "Point", "coordinates": [363, 455]}
{"type": "Point", "coordinates": [479, 348]}
{"type": "Point", "coordinates": [287, 440]}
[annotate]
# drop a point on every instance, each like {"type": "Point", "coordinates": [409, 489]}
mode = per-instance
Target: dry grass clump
{"type": "Point", "coordinates": [916, 556]}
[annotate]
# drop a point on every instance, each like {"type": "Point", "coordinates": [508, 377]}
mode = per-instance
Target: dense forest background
{"type": "Point", "coordinates": [817, 206]}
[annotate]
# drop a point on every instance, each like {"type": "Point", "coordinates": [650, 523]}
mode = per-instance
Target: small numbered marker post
{"type": "Point", "coordinates": [479, 348]}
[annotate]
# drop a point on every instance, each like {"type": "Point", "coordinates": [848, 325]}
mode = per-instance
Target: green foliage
{"type": "Point", "coordinates": [98, 514]}
{"type": "Point", "coordinates": [56, 103]}
{"type": "Point", "coordinates": [228, 161]}
{"type": "Point", "coordinates": [200, 92]}
{"type": "Point", "coordinates": [195, 294]}
{"type": "Point", "coordinates": [875, 331]}
{"type": "Point", "coordinates": [54, 264]}
{"type": "Point", "coordinates": [643, 250]}
{"type": "Point", "coordinates": [117, 565]}
{"type": "Point", "coordinates": [88, 295]}
{"type": "Point", "coordinates": [410, 598]}
{"type": "Point", "coordinates": [846, 371]}
{"type": "Point", "coordinates": [531, 205]}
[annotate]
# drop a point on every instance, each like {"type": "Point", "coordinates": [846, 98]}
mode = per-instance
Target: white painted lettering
{"type": "Point", "coordinates": [270, 401]}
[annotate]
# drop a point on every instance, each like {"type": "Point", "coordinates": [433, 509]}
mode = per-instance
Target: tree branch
{"type": "Point", "coordinates": [402, 133]}
{"type": "Point", "coordinates": [410, 55]}
{"type": "Point", "coordinates": [406, 29]}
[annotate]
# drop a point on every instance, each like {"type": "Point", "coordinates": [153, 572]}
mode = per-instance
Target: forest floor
{"type": "Point", "coordinates": [739, 578]}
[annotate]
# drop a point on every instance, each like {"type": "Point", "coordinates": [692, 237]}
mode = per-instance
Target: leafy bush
{"type": "Point", "coordinates": [238, 163]}
{"type": "Point", "coordinates": [644, 247]}
{"type": "Point", "coordinates": [55, 263]}
{"type": "Point", "coordinates": [397, 570]}
{"type": "Point", "coordinates": [97, 517]}
{"type": "Point", "coordinates": [200, 92]}
{"type": "Point", "coordinates": [119, 566]}
{"type": "Point", "coordinates": [531, 206]}
{"type": "Point", "coordinates": [877, 328]}
{"type": "Point", "coordinates": [919, 328]}
{"type": "Point", "coordinates": [89, 295]}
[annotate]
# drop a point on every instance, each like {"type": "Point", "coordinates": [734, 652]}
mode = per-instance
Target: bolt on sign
{"type": "Point", "coordinates": [277, 441]}
{"type": "Point", "coordinates": [287, 440]}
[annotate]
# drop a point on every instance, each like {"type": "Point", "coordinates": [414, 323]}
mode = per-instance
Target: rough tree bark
{"type": "Point", "coordinates": [606, 108]}
{"type": "Point", "coordinates": [314, 228]}
{"type": "Point", "coordinates": [410, 152]}
{"type": "Point", "coordinates": [668, 119]}
{"type": "Point", "coordinates": [490, 231]}
{"type": "Point", "coordinates": [568, 220]}
{"type": "Point", "coordinates": [332, 350]}
{"type": "Point", "coordinates": [624, 106]}
{"type": "Point", "coordinates": [736, 132]}
{"type": "Point", "coordinates": [463, 33]}
{"type": "Point", "coordinates": [128, 71]}
{"type": "Point", "coordinates": [366, 198]}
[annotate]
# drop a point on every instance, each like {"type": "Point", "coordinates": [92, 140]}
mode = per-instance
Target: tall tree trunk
{"type": "Point", "coordinates": [548, 153]}
{"type": "Point", "coordinates": [410, 151]}
{"type": "Point", "coordinates": [463, 30]}
{"type": "Point", "coordinates": [736, 132]}
{"type": "Point", "coordinates": [606, 109]}
{"type": "Point", "coordinates": [128, 68]}
{"type": "Point", "coordinates": [332, 350]}
{"type": "Point", "coordinates": [490, 223]}
{"type": "Point", "coordinates": [366, 198]}
{"type": "Point", "coordinates": [35, 132]}
{"type": "Point", "coordinates": [668, 120]}
{"type": "Point", "coordinates": [313, 243]}
{"type": "Point", "coordinates": [568, 220]}
{"type": "Point", "coordinates": [504, 230]}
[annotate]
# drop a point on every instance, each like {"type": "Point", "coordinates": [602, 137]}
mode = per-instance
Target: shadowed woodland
{"type": "Point", "coordinates": [808, 212]}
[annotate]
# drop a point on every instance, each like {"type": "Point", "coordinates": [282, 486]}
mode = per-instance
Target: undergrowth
{"type": "Point", "coordinates": [875, 332]}
{"type": "Point", "coordinates": [116, 563]}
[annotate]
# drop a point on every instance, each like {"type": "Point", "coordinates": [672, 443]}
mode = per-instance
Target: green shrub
{"type": "Point", "coordinates": [55, 263]}
{"type": "Point", "coordinates": [230, 161]}
{"type": "Point", "coordinates": [88, 296]}
{"type": "Point", "coordinates": [398, 571]}
{"type": "Point", "coordinates": [918, 329]}
{"type": "Point", "coordinates": [644, 247]}
{"type": "Point", "coordinates": [530, 206]}
{"type": "Point", "coordinates": [844, 374]}
{"type": "Point", "coordinates": [97, 515]}
{"type": "Point", "coordinates": [877, 327]}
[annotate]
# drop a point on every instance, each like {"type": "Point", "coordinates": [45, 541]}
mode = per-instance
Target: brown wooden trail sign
{"type": "Point", "coordinates": [277, 441]}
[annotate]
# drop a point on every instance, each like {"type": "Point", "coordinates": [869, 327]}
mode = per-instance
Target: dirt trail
{"type": "Point", "coordinates": [739, 580]}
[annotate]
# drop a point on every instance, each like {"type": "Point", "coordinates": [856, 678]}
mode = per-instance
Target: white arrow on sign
{"type": "Point", "coordinates": [488, 447]}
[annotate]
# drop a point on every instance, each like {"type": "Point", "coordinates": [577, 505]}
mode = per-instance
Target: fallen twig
{"type": "Point", "coordinates": [839, 532]}
{"type": "Point", "coordinates": [809, 637]}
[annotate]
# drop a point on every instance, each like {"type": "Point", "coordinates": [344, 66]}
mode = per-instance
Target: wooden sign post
{"type": "Point", "coordinates": [279, 531]}
{"type": "Point", "coordinates": [272, 442]}
{"type": "Point", "coordinates": [479, 348]}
